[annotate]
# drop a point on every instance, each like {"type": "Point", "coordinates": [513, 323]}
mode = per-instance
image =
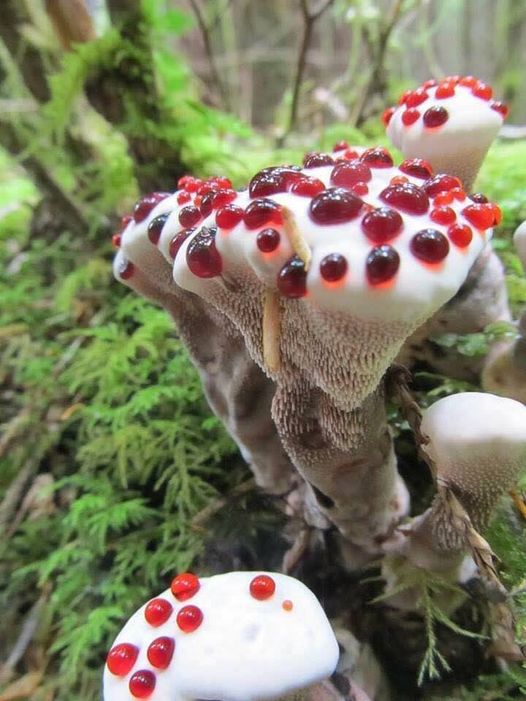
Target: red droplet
{"type": "Point", "coordinates": [381, 225]}
{"type": "Point", "coordinates": [270, 181]}
{"type": "Point", "coordinates": [205, 188]}
{"type": "Point", "coordinates": [460, 235]}
{"type": "Point", "coordinates": [435, 116]}
{"type": "Point", "coordinates": [144, 206]}
{"type": "Point", "coordinates": [404, 97]}
{"type": "Point", "coordinates": [189, 618]}
{"type": "Point", "coordinates": [287, 605]}
{"type": "Point", "coordinates": [468, 81]}
{"type": "Point", "coordinates": [220, 182]}
{"type": "Point", "coordinates": [262, 587]}
{"type": "Point", "coordinates": [360, 189]}
{"type": "Point", "coordinates": [116, 240]}
{"type": "Point", "coordinates": [184, 586]}
{"type": "Point", "coordinates": [223, 197]}
{"type": "Point", "coordinates": [316, 160]}
{"type": "Point", "coordinates": [458, 193]}
{"type": "Point", "coordinates": [340, 146]}
{"type": "Point", "coordinates": [444, 198]}
{"type": "Point", "coordinates": [335, 206]}
{"type": "Point", "coordinates": [348, 173]}
{"type": "Point", "coordinates": [443, 215]}
{"type": "Point", "coordinates": [189, 216]}
{"type": "Point", "coordinates": [333, 267]}
{"type": "Point", "coordinates": [261, 212]}
{"type": "Point", "coordinates": [382, 264]}
{"type": "Point", "coordinates": [292, 278]}
{"type": "Point", "coordinates": [478, 197]}
{"type": "Point", "coordinates": [125, 220]}
{"type": "Point", "coordinates": [268, 240]}
{"type": "Point", "coordinates": [500, 107]}
{"type": "Point", "coordinates": [430, 246]}
{"type": "Point", "coordinates": [178, 240]}
{"type": "Point", "coordinates": [181, 183]}
{"type": "Point", "coordinates": [207, 203]}
{"type": "Point", "coordinates": [481, 216]}
{"type": "Point", "coordinates": [445, 90]}
{"type": "Point", "coordinates": [125, 269]}
{"type": "Point", "coordinates": [451, 79]}
{"type": "Point", "coordinates": [416, 167]}
{"type": "Point", "coordinates": [398, 180]}
{"type": "Point", "coordinates": [307, 187]}
{"type": "Point", "coordinates": [497, 214]}
{"type": "Point", "coordinates": [229, 216]}
{"type": "Point", "coordinates": [429, 83]}
{"type": "Point", "coordinates": [350, 155]}
{"type": "Point", "coordinates": [183, 197]}
{"type": "Point", "coordinates": [407, 197]}
{"type": "Point", "coordinates": [193, 185]}
{"type": "Point", "coordinates": [157, 612]}
{"type": "Point", "coordinates": [416, 97]}
{"type": "Point", "coordinates": [440, 183]}
{"type": "Point", "coordinates": [387, 115]}
{"type": "Point", "coordinates": [155, 228]}
{"type": "Point", "coordinates": [202, 256]}
{"type": "Point", "coordinates": [377, 157]}
{"type": "Point", "coordinates": [121, 659]}
{"type": "Point", "coordinates": [482, 90]}
{"type": "Point", "coordinates": [160, 652]}
{"type": "Point", "coordinates": [142, 684]}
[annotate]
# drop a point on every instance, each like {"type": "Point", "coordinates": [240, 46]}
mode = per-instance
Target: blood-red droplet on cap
{"type": "Point", "coordinates": [348, 173]}
{"type": "Point", "coordinates": [178, 240]}
{"type": "Point", "coordinates": [157, 612]}
{"type": "Point", "coordinates": [410, 116]}
{"type": "Point", "coordinates": [262, 587]}
{"type": "Point", "coordinates": [500, 107]}
{"type": "Point", "coordinates": [443, 215]}
{"type": "Point", "coordinates": [229, 216]}
{"type": "Point", "coordinates": [125, 269]}
{"type": "Point", "coordinates": [387, 114]}
{"type": "Point", "coordinates": [440, 183]}
{"type": "Point", "coordinates": [377, 157]}
{"type": "Point", "coordinates": [407, 197]}
{"type": "Point", "coordinates": [340, 146]}
{"type": "Point", "coordinates": [142, 684]}
{"type": "Point", "coordinates": [468, 81]}
{"type": "Point", "coordinates": [482, 90]}
{"type": "Point", "coordinates": [202, 257]}
{"type": "Point", "coordinates": [335, 206]}
{"type": "Point", "coordinates": [183, 197]}
{"type": "Point", "coordinates": [333, 267]}
{"type": "Point", "coordinates": [189, 618]}
{"type": "Point", "coordinates": [121, 659]}
{"type": "Point", "coordinates": [116, 240]}
{"type": "Point", "coordinates": [430, 246]}
{"type": "Point", "coordinates": [481, 216]}
{"type": "Point", "coordinates": [316, 160]}
{"type": "Point", "coordinates": [181, 183]}
{"type": "Point", "coordinates": [223, 197]}
{"type": "Point", "coordinates": [381, 225]}
{"type": "Point", "coordinates": [478, 197]}
{"type": "Point", "coordinates": [416, 97]}
{"type": "Point", "coordinates": [360, 189]}
{"type": "Point", "coordinates": [189, 216]}
{"type": "Point", "coordinates": [417, 167]}
{"type": "Point", "coordinates": [160, 652]}
{"type": "Point", "coordinates": [184, 586]}
{"type": "Point", "coordinates": [193, 185]}
{"type": "Point", "coordinates": [268, 181]}
{"type": "Point", "coordinates": [268, 240]}
{"type": "Point", "coordinates": [435, 116]}
{"type": "Point", "coordinates": [382, 264]}
{"type": "Point", "coordinates": [155, 227]}
{"type": "Point", "coordinates": [445, 90]}
{"type": "Point", "coordinates": [144, 206]}
{"type": "Point", "coordinates": [292, 278]}
{"type": "Point", "coordinates": [261, 212]}
{"type": "Point", "coordinates": [307, 187]}
{"type": "Point", "coordinates": [460, 234]}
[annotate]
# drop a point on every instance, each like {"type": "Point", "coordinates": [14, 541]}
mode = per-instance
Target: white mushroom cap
{"type": "Point", "coordinates": [478, 444]}
{"type": "Point", "coordinates": [519, 239]}
{"type": "Point", "coordinates": [239, 636]}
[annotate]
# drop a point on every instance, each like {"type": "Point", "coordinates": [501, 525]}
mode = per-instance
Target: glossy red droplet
{"type": "Point", "coordinates": [183, 197]}
{"type": "Point", "coordinates": [429, 83]}
{"type": "Point", "coordinates": [500, 107]}
{"type": "Point", "coordinates": [261, 212]}
{"type": "Point", "coordinates": [316, 160]}
{"type": "Point", "coordinates": [206, 204]}
{"type": "Point", "coordinates": [398, 180]}
{"type": "Point", "coordinates": [155, 227]}
{"type": "Point", "coordinates": [381, 225]}
{"type": "Point", "coordinates": [335, 206]}
{"type": "Point", "coordinates": [181, 183]}
{"type": "Point", "coordinates": [189, 216]}
{"type": "Point", "coordinates": [340, 146]}
{"type": "Point", "coordinates": [468, 81]}
{"type": "Point", "coordinates": [416, 97]}
{"type": "Point", "coordinates": [116, 240]}
{"type": "Point", "coordinates": [417, 167]}
{"type": "Point", "coordinates": [223, 197]}
{"type": "Point", "coordinates": [178, 240]}
{"type": "Point", "coordinates": [193, 184]}
{"type": "Point", "coordinates": [125, 268]}
{"type": "Point", "coordinates": [142, 684]}
{"type": "Point", "coordinates": [307, 187]}
{"type": "Point", "coordinates": [121, 659]}
{"type": "Point", "coordinates": [481, 216]}
{"type": "Point", "coordinates": [430, 246]}
{"type": "Point", "coordinates": [219, 181]}
{"type": "Point", "coordinates": [184, 586]}
{"type": "Point", "coordinates": [445, 90]}
{"type": "Point", "coordinates": [287, 605]}
{"type": "Point", "coordinates": [189, 618]}
{"type": "Point", "coordinates": [202, 257]}
{"type": "Point", "coordinates": [497, 214]}
{"type": "Point", "coordinates": [144, 206]}
{"type": "Point", "coordinates": [404, 96]}
{"type": "Point", "coordinates": [360, 189]}
{"type": "Point", "coordinates": [407, 197]}
{"type": "Point", "coordinates": [382, 264]}
{"type": "Point", "coordinates": [440, 183]}
{"type": "Point", "coordinates": [229, 216]}
{"type": "Point", "coordinates": [333, 267]}
{"type": "Point", "coordinates": [387, 115]}
{"type": "Point", "coordinates": [292, 278]}
{"type": "Point", "coordinates": [270, 181]}
{"type": "Point", "coordinates": [443, 198]}
{"type": "Point", "coordinates": [410, 117]}
{"type": "Point", "coordinates": [268, 240]}
{"type": "Point", "coordinates": [262, 587]}
{"type": "Point", "coordinates": [443, 215]}
{"type": "Point", "coordinates": [160, 652]}
{"type": "Point", "coordinates": [350, 155]}
{"type": "Point", "coordinates": [377, 157]}
{"type": "Point", "coordinates": [348, 173]}
{"type": "Point", "coordinates": [482, 90]}
{"type": "Point", "coordinates": [460, 234]}
{"type": "Point", "coordinates": [478, 197]}
{"type": "Point", "coordinates": [435, 116]}
{"type": "Point", "coordinates": [158, 611]}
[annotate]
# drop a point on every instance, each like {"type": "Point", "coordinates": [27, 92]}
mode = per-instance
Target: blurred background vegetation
{"type": "Point", "coordinates": [111, 464]}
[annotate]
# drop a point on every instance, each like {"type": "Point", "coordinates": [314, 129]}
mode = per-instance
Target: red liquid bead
{"type": "Point", "coordinates": [142, 684]}
{"type": "Point", "coordinates": [430, 246]}
{"type": "Point", "coordinates": [189, 618]}
{"type": "Point", "coordinates": [435, 116]}
{"type": "Point", "coordinates": [458, 193]}
{"type": "Point", "coordinates": [125, 220]}
{"type": "Point", "coordinates": [202, 256]}
{"type": "Point", "coordinates": [429, 83]}
{"type": "Point", "coordinates": [116, 240]}
{"type": "Point", "coordinates": [155, 228]}
{"type": "Point", "coordinates": [261, 212]}
{"type": "Point", "coordinates": [348, 173]}
{"type": "Point", "coordinates": [443, 215]}
{"type": "Point", "coordinates": [315, 160]}
{"type": "Point", "coordinates": [223, 197]}
{"type": "Point", "coordinates": [468, 81]}
{"type": "Point", "coordinates": [416, 167]}
{"type": "Point", "coordinates": [121, 659]}
{"type": "Point", "coordinates": [340, 146]}
{"type": "Point", "coordinates": [160, 652]}
{"type": "Point", "coordinates": [416, 98]}
{"type": "Point", "coordinates": [206, 204]}
{"type": "Point", "coordinates": [268, 240]}
{"type": "Point", "coordinates": [157, 612]}
{"type": "Point", "coordinates": [183, 197]}
{"type": "Point", "coordinates": [350, 155]}
{"type": "Point", "coordinates": [444, 198]}
{"type": "Point", "coordinates": [460, 234]}
{"type": "Point", "coordinates": [269, 181]}
{"type": "Point", "coordinates": [206, 188]}
{"type": "Point", "coordinates": [307, 187]}
{"type": "Point", "coordinates": [262, 587]}
{"type": "Point", "coordinates": [381, 225]}
{"type": "Point", "coordinates": [335, 206]}
{"type": "Point", "coordinates": [407, 197]}
{"type": "Point", "coordinates": [441, 183]}
{"type": "Point", "coordinates": [497, 214]}
{"type": "Point", "coordinates": [451, 79]}
{"type": "Point", "coordinates": [181, 183]}
{"type": "Point", "coordinates": [382, 264]}
{"type": "Point", "coordinates": [410, 117]}
{"type": "Point", "coordinates": [184, 586]}
{"type": "Point", "coordinates": [189, 216]}
{"type": "Point", "coordinates": [229, 216]}
{"type": "Point", "coordinates": [377, 158]}
{"type": "Point", "coordinates": [220, 182]}
{"type": "Point", "coordinates": [360, 189]}
{"type": "Point", "coordinates": [482, 90]}
{"type": "Point", "coordinates": [143, 207]}
{"type": "Point", "coordinates": [333, 267]}
{"type": "Point", "coordinates": [126, 269]}
{"type": "Point", "coordinates": [387, 115]}
{"type": "Point", "coordinates": [481, 216]}
{"type": "Point", "coordinates": [500, 107]}
{"type": "Point", "coordinates": [444, 90]}
{"type": "Point", "coordinates": [292, 278]}
{"type": "Point", "coordinates": [178, 240]}
{"type": "Point", "coordinates": [478, 197]}
{"type": "Point", "coordinates": [398, 180]}
{"type": "Point", "coordinates": [404, 97]}
{"type": "Point", "coordinates": [193, 185]}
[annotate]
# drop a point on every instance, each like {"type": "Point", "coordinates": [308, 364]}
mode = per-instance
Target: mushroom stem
{"type": "Point", "coordinates": [271, 330]}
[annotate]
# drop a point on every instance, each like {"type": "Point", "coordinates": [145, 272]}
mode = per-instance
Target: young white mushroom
{"type": "Point", "coordinates": [241, 636]}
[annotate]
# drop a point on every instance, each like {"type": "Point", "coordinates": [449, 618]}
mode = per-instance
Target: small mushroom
{"type": "Point", "coordinates": [239, 636]}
